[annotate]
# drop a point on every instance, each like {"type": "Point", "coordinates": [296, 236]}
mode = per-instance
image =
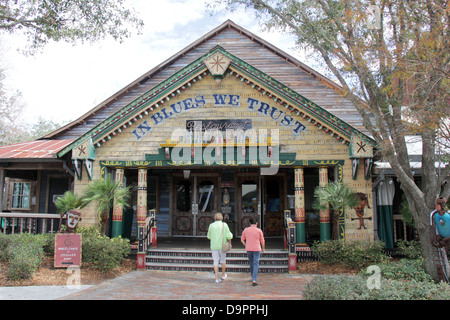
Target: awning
{"type": "Point", "coordinates": [37, 149]}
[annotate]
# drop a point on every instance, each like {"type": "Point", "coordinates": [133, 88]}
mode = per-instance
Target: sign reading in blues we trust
{"type": "Point", "coordinates": [229, 100]}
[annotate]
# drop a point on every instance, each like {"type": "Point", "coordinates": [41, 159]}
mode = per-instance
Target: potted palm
{"type": "Point", "coordinates": [338, 196]}
{"type": "Point", "coordinates": [105, 192]}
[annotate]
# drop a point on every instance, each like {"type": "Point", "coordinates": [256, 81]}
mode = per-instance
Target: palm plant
{"type": "Point", "coordinates": [67, 202]}
{"type": "Point", "coordinates": [106, 193]}
{"type": "Point", "coordinates": [338, 196]}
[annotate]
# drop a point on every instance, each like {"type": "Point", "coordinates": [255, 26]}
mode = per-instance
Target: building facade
{"type": "Point", "coordinates": [229, 124]}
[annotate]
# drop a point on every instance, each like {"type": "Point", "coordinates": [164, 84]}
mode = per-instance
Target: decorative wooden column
{"type": "Point", "coordinates": [141, 216]}
{"type": "Point", "coordinates": [117, 223]}
{"type": "Point", "coordinates": [300, 218]}
{"type": "Point", "coordinates": [324, 214]}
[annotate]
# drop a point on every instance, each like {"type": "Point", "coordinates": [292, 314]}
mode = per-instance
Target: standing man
{"type": "Point", "coordinates": [253, 240]}
{"type": "Point", "coordinates": [217, 232]}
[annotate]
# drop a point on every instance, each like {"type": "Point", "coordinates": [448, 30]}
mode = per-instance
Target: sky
{"type": "Point", "coordinates": [64, 81]}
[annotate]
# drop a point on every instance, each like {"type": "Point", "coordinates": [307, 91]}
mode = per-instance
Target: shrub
{"type": "Point", "coordinates": [101, 252]}
{"type": "Point", "coordinates": [410, 249]}
{"type": "Point", "coordinates": [355, 288]}
{"type": "Point", "coordinates": [4, 243]}
{"type": "Point", "coordinates": [24, 254]}
{"type": "Point", "coordinates": [355, 254]}
{"type": "Point", "coordinates": [405, 269]}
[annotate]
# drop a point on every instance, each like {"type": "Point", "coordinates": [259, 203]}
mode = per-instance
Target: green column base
{"type": "Point", "coordinates": [117, 227]}
{"type": "Point", "coordinates": [325, 231]}
{"type": "Point", "coordinates": [300, 236]}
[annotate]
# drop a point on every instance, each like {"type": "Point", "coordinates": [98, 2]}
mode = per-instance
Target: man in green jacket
{"type": "Point", "coordinates": [217, 232]}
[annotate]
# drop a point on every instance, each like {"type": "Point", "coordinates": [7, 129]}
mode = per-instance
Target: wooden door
{"type": "Point", "coordinates": [194, 205]}
{"type": "Point", "coordinates": [182, 218]}
{"type": "Point", "coordinates": [207, 204]}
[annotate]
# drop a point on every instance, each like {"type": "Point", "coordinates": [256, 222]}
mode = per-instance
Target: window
{"type": "Point", "coordinates": [19, 194]}
{"type": "Point", "coordinates": [249, 197]}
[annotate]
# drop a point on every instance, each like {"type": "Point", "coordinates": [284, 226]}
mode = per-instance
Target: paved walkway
{"type": "Point", "coordinates": [180, 285]}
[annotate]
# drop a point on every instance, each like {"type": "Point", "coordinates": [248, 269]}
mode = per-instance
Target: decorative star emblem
{"type": "Point", "coordinates": [217, 64]}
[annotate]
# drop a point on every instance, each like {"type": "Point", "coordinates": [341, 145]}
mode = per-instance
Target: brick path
{"type": "Point", "coordinates": [179, 285]}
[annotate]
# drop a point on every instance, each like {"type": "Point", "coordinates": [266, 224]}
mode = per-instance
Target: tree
{"type": "Point", "coordinates": [338, 196]}
{"type": "Point", "coordinates": [71, 20]}
{"type": "Point", "coordinates": [392, 60]}
{"type": "Point", "coordinates": [106, 193]}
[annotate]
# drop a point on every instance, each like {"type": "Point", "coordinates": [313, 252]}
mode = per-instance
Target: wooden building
{"type": "Point", "coordinates": [229, 124]}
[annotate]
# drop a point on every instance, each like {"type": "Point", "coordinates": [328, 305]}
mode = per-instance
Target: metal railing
{"type": "Point", "coordinates": [14, 222]}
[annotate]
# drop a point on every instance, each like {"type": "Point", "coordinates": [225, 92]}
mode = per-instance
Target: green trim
{"type": "Point", "coordinates": [192, 73]}
{"type": "Point", "coordinates": [159, 160]}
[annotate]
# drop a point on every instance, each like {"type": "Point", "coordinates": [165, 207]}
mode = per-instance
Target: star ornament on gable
{"type": "Point", "coordinates": [217, 64]}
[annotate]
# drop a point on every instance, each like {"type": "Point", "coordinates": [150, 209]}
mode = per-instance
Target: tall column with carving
{"type": "Point", "coordinates": [141, 216]}
{"type": "Point", "coordinates": [324, 214]}
{"type": "Point", "coordinates": [117, 223]}
{"type": "Point", "coordinates": [300, 218]}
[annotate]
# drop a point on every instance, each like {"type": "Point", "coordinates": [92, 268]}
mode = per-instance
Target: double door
{"type": "Point", "coordinates": [196, 200]}
{"type": "Point", "coordinates": [261, 198]}
{"type": "Point", "coordinates": [194, 206]}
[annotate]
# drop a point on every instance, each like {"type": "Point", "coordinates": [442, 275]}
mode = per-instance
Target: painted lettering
{"type": "Point", "coordinates": [200, 100]}
{"type": "Point", "coordinates": [300, 127]}
{"type": "Point", "coordinates": [264, 108]}
{"type": "Point", "coordinates": [274, 110]}
{"type": "Point", "coordinates": [220, 99]}
{"type": "Point", "coordinates": [176, 107]}
{"type": "Point", "coordinates": [165, 113]}
{"type": "Point", "coordinates": [141, 130]}
{"type": "Point", "coordinates": [188, 104]}
{"type": "Point", "coordinates": [234, 100]}
{"type": "Point", "coordinates": [286, 120]}
{"type": "Point", "coordinates": [252, 102]}
{"type": "Point", "coordinates": [157, 117]}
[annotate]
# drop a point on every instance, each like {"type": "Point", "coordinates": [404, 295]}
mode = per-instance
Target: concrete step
{"type": "Point", "coordinates": [200, 260]}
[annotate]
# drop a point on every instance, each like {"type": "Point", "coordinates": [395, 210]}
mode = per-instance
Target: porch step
{"type": "Point", "coordinates": [272, 261]}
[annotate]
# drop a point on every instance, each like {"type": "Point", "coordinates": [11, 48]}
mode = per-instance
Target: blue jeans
{"type": "Point", "coordinates": [253, 259]}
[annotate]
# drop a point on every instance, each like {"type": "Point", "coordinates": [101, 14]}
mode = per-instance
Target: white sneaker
{"type": "Point", "coordinates": [218, 281]}
{"type": "Point", "coordinates": [224, 277]}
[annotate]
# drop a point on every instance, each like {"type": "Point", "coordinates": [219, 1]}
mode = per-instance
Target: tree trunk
{"type": "Point", "coordinates": [104, 218]}
{"type": "Point", "coordinates": [426, 232]}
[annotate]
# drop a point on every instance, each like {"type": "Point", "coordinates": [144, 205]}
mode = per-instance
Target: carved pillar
{"type": "Point", "coordinates": [300, 218]}
{"type": "Point", "coordinates": [117, 223]}
{"type": "Point", "coordinates": [141, 216]}
{"type": "Point", "coordinates": [324, 214]}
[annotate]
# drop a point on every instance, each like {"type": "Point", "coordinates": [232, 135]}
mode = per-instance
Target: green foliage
{"type": "Point", "coordinates": [24, 254]}
{"type": "Point", "coordinates": [404, 269]}
{"type": "Point", "coordinates": [337, 195]}
{"type": "Point", "coordinates": [70, 21]}
{"type": "Point", "coordinates": [106, 193]}
{"type": "Point", "coordinates": [68, 201]}
{"type": "Point", "coordinates": [355, 288]}
{"type": "Point", "coordinates": [101, 252]}
{"type": "Point", "coordinates": [410, 249]}
{"type": "Point", "coordinates": [355, 254]}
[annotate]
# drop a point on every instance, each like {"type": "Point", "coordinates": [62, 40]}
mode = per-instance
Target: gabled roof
{"type": "Point", "coordinates": [92, 118]}
{"type": "Point", "coordinates": [195, 72]}
{"type": "Point", "coordinates": [39, 149]}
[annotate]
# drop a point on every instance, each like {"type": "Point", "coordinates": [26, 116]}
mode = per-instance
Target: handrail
{"type": "Point", "coordinates": [29, 215]}
{"type": "Point", "coordinates": [12, 222]}
{"type": "Point", "coordinates": [149, 227]}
